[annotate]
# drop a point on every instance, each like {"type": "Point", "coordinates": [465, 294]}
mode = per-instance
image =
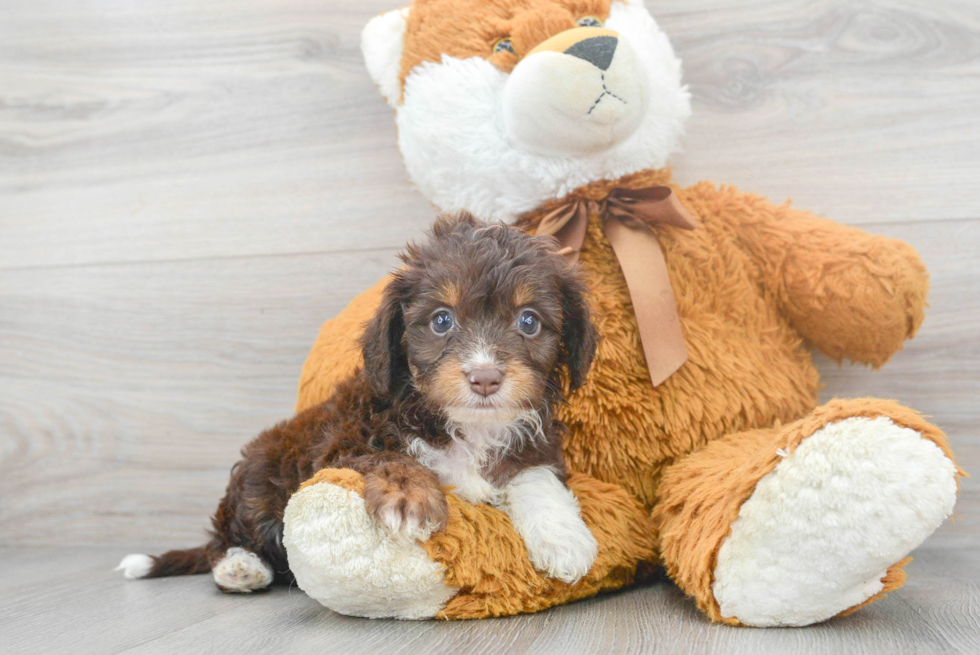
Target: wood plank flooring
{"type": "Point", "coordinates": [63, 599]}
{"type": "Point", "coordinates": [188, 189]}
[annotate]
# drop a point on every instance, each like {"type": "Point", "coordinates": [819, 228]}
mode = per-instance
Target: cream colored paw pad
{"type": "Point", "coordinates": [820, 530]}
{"type": "Point", "coordinates": [347, 562]}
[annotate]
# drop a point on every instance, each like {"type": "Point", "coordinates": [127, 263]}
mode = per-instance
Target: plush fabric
{"type": "Point", "coordinates": [700, 497]}
{"type": "Point", "coordinates": [337, 353]}
{"type": "Point", "coordinates": [344, 559]}
{"type": "Point", "coordinates": [749, 369]}
{"type": "Point", "coordinates": [709, 472]}
{"type": "Point", "coordinates": [485, 565]}
{"type": "Point", "coordinates": [452, 123]}
{"type": "Point", "coordinates": [748, 366]}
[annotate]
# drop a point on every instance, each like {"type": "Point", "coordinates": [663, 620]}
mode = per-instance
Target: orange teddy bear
{"type": "Point", "coordinates": [697, 441]}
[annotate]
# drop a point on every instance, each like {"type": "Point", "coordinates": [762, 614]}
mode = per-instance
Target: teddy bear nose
{"type": "Point", "coordinates": [597, 50]}
{"type": "Point", "coordinates": [485, 381]}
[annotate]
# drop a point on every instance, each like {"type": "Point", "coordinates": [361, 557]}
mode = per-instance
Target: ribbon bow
{"type": "Point", "coordinates": [626, 218]}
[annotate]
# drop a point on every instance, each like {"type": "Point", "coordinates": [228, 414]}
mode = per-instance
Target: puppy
{"type": "Point", "coordinates": [464, 364]}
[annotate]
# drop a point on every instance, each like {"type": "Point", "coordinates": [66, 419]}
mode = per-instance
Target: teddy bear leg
{"type": "Point", "coordinates": [477, 567]}
{"type": "Point", "coordinates": [796, 524]}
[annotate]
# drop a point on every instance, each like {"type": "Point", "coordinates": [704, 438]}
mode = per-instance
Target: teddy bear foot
{"type": "Point", "coordinates": [823, 529]}
{"type": "Point", "coordinates": [349, 563]}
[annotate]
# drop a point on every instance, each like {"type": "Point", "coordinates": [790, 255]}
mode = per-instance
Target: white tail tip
{"type": "Point", "coordinates": [135, 566]}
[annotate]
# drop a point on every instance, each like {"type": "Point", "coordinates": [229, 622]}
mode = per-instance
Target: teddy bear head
{"type": "Point", "coordinates": [503, 105]}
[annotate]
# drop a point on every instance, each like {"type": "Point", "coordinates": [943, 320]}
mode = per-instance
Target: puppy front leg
{"type": "Point", "coordinates": [547, 516]}
{"type": "Point", "coordinates": [402, 495]}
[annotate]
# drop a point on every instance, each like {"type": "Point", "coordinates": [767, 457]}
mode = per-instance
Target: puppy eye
{"type": "Point", "coordinates": [588, 21]}
{"type": "Point", "coordinates": [442, 322]}
{"type": "Point", "coordinates": [529, 323]}
{"type": "Point", "coordinates": [504, 44]}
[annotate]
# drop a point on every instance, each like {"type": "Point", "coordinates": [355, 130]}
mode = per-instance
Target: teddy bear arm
{"type": "Point", "coordinates": [476, 567]}
{"type": "Point", "coordinates": [484, 556]}
{"type": "Point", "coordinates": [850, 294]}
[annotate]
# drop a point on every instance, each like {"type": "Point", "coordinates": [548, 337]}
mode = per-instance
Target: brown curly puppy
{"type": "Point", "coordinates": [464, 366]}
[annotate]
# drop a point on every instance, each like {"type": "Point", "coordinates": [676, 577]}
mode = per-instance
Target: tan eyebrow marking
{"type": "Point", "coordinates": [523, 295]}
{"type": "Point", "coordinates": [449, 294]}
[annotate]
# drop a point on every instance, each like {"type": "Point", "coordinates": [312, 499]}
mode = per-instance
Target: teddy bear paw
{"type": "Point", "coordinates": [350, 563]}
{"type": "Point", "coordinates": [821, 530]}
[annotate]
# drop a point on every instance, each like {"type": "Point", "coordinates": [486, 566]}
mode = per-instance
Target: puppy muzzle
{"type": "Point", "coordinates": [580, 92]}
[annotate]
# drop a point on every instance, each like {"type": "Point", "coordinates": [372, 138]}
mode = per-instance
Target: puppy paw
{"type": "Point", "coordinates": [406, 499]}
{"type": "Point", "coordinates": [241, 571]}
{"type": "Point", "coordinates": [565, 553]}
{"type": "Point", "coordinates": [547, 516]}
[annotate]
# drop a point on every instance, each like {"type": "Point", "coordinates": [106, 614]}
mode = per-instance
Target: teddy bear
{"type": "Point", "coordinates": [697, 443]}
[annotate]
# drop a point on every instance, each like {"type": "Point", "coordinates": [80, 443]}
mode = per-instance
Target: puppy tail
{"type": "Point", "coordinates": [175, 562]}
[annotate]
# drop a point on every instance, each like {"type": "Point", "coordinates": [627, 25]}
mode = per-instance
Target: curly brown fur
{"type": "Point", "coordinates": [399, 494]}
{"type": "Point", "coordinates": [419, 395]}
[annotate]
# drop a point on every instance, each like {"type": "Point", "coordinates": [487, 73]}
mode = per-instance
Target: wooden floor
{"type": "Point", "coordinates": [62, 600]}
{"type": "Point", "coordinates": [188, 189]}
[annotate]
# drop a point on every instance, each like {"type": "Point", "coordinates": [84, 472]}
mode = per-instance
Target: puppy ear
{"type": "Point", "coordinates": [382, 42]}
{"type": "Point", "coordinates": [578, 334]}
{"type": "Point", "coordinates": [385, 361]}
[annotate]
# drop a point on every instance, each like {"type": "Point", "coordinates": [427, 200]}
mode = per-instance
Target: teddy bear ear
{"type": "Point", "coordinates": [381, 43]}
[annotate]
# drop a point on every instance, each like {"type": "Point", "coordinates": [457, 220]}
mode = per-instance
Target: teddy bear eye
{"type": "Point", "coordinates": [588, 21]}
{"type": "Point", "coordinates": [504, 44]}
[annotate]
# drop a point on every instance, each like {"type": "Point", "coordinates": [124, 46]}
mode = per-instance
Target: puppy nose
{"type": "Point", "coordinates": [597, 50]}
{"type": "Point", "coordinates": [485, 381]}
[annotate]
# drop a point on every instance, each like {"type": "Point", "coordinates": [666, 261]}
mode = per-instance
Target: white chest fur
{"type": "Point", "coordinates": [473, 450]}
{"type": "Point", "coordinates": [462, 464]}
{"type": "Point", "coordinates": [543, 511]}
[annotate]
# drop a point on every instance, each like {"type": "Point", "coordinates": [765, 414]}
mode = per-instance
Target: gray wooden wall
{"type": "Point", "coordinates": [188, 189]}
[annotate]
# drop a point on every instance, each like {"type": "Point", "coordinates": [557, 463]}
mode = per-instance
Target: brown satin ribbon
{"type": "Point", "coordinates": [626, 218]}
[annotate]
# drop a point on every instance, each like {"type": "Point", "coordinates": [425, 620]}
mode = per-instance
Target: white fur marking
{"type": "Point", "coordinates": [343, 559]}
{"type": "Point", "coordinates": [547, 516]}
{"type": "Point", "coordinates": [460, 465]}
{"type": "Point", "coordinates": [821, 529]}
{"type": "Point", "coordinates": [135, 566]}
{"type": "Point", "coordinates": [481, 357]}
{"type": "Point", "coordinates": [474, 448]}
{"type": "Point", "coordinates": [242, 571]}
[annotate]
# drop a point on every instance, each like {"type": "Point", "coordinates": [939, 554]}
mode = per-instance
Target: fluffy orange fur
{"type": "Point", "coordinates": [432, 28]}
{"type": "Point", "coordinates": [486, 559]}
{"type": "Point", "coordinates": [700, 496]}
{"type": "Point", "coordinates": [757, 286]}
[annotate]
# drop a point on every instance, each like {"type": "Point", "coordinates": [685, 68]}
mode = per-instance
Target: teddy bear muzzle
{"type": "Point", "coordinates": [580, 92]}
